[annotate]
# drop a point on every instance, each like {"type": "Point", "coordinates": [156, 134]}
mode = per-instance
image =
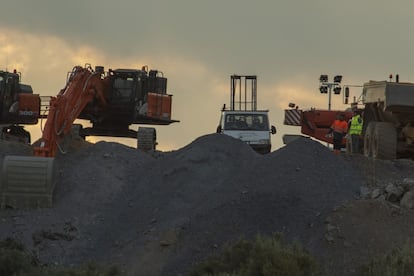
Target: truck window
{"type": "Point", "coordinates": [230, 123]}
{"type": "Point", "coordinates": [259, 122]}
{"type": "Point", "coordinates": [246, 122]}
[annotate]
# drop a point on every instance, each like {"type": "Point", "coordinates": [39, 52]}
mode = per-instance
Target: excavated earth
{"type": "Point", "coordinates": [160, 213]}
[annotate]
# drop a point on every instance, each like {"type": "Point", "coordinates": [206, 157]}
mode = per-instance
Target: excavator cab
{"type": "Point", "coordinates": [18, 106]}
{"type": "Point", "coordinates": [133, 97]}
{"type": "Point", "coordinates": [8, 93]}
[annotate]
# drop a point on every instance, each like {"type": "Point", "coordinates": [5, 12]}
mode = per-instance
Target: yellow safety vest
{"type": "Point", "coordinates": [356, 125]}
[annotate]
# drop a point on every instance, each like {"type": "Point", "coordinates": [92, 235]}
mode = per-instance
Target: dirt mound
{"type": "Point", "coordinates": [159, 216]}
{"type": "Point", "coordinates": [362, 230]}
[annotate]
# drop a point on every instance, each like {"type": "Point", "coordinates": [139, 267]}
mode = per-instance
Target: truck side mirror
{"type": "Point", "coordinates": [273, 129]}
{"type": "Point", "coordinates": [218, 130]}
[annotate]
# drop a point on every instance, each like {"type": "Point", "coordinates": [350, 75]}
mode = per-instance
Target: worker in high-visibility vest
{"type": "Point", "coordinates": [338, 128]}
{"type": "Point", "coordinates": [355, 130]}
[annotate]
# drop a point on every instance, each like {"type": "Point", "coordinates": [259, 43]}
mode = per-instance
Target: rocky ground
{"type": "Point", "coordinates": [160, 213]}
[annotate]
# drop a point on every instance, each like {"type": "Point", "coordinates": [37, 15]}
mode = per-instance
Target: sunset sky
{"type": "Point", "coordinates": [199, 44]}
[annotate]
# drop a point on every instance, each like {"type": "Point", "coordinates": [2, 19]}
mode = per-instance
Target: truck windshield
{"type": "Point", "coordinates": [246, 122]}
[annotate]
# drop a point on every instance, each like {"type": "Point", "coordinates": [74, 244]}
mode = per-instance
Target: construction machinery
{"type": "Point", "coordinates": [313, 123]}
{"type": "Point", "coordinates": [19, 106]}
{"type": "Point", "coordinates": [388, 113]}
{"type": "Point", "coordinates": [388, 119]}
{"type": "Point", "coordinates": [243, 120]}
{"type": "Point", "coordinates": [111, 101]}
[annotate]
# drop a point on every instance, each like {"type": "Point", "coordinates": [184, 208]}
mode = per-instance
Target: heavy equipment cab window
{"type": "Point", "coordinates": [246, 122]}
{"type": "Point", "coordinates": [124, 86]}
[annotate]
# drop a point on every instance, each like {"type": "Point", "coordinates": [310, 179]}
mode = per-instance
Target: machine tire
{"type": "Point", "coordinates": [369, 132]}
{"type": "Point", "coordinates": [384, 142]}
{"type": "Point", "coordinates": [146, 138]}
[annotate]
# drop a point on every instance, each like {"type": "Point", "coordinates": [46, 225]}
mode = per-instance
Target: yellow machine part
{"type": "Point", "coordinates": [26, 182]}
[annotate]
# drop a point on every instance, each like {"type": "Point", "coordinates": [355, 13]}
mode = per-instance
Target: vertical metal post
{"type": "Point", "coordinates": [329, 101]}
{"type": "Point", "coordinates": [254, 96]}
{"type": "Point", "coordinates": [245, 94]}
{"type": "Point", "coordinates": [246, 101]}
{"type": "Point", "coordinates": [232, 93]}
{"type": "Point", "coordinates": [240, 94]}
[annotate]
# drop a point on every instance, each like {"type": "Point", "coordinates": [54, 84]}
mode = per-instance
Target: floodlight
{"type": "Point", "coordinates": [338, 78]}
{"type": "Point", "coordinates": [323, 78]}
{"type": "Point", "coordinates": [323, 89]}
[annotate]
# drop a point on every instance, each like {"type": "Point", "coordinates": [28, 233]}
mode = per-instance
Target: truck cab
{"type": "Point", "coordinates": [243, 120]}
{"type": "Point", "coordinates": [252, 127]}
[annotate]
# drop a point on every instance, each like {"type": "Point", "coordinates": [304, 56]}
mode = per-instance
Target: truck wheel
{"type": "Point", "coordinates": [369, 132]}
{"type": "Point", "coordinates": [384, 142]}
{"type": "Point", "coordinates": [146, 137]}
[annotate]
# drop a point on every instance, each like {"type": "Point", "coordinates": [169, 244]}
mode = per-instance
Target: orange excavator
{"type": "Point", "coordinates": [83, 86]}
{"type": "Point", "coordinates": [111, 101]}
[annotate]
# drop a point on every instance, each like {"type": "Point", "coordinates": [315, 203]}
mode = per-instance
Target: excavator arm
{"type": "Point", "coordinates": [27, 182]}
{"type": "Point", "coordinates": [83, 86]}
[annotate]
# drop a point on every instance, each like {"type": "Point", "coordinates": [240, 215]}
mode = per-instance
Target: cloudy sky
{"type": "Point", "coordinates": [199, 44]}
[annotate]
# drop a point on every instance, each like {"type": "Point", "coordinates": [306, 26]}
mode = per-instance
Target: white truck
{"type": "Point", "coordinates": [243, 121]}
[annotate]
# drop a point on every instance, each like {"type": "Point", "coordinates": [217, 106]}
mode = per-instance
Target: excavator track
{"type": "Point", "coordinates": [146, 137]}
{"type": "Point", "coordinates": [26, 182]}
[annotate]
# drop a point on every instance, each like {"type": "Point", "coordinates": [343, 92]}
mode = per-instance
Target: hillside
{"type": "Point", "coordinates": [160, 213]}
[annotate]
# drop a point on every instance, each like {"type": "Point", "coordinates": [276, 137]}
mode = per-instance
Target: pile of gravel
{"type": "Point", "coordinates": [161, 214]}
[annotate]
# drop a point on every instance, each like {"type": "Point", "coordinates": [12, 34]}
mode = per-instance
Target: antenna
{"type": "Point", "coordinates": [7, 57]}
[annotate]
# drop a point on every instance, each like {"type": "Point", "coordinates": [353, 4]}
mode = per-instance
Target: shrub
{"type": "Point", "coordinates": [89, 269]}
{"type": "Point", "coordinates": [15, 261]}
{"type": "Point", "coordinates": [399, 262]}
{"type": "Point", "coordinates": [263, 256]}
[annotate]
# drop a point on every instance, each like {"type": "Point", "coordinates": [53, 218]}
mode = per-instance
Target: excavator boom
{"type": "Point", "coordinates": [83, 86]}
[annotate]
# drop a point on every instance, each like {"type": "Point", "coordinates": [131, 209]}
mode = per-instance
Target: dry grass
{"type": "Point", "coordinates": [14, 260]}
{"type": "Point", "coordinates": [399, 262]}
{"type": "Point", "coordinates": [263, 256]}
